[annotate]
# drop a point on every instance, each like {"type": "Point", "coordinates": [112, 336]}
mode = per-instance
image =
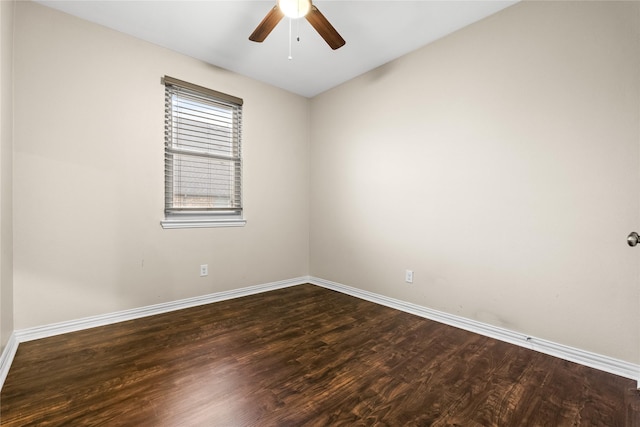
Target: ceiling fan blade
{"type": "Point", "coordinates": [267, 25]}
{"type": "Point", "coordinates": [324, 28]}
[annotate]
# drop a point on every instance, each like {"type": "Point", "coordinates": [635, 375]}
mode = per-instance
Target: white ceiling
{"type": "Point", "coordinates": [217, 32]}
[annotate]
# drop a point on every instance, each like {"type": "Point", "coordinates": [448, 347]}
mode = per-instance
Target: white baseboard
{"type": "Point", "coordinates": [7, 356]}
{"type": "Point", "coordinates": [583, 357]}
{"type": "Point", "coordinates": [46, 331]}
{"type": "Point", "coordinates": [603, 363]}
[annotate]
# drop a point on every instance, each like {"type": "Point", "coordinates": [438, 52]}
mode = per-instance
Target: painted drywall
{"type": "Point", "coordinates": [500, 164]}
{"type": "Point", "coordinates": [6, 171]}
{"type": "Point", "coordinates": [88, 176]}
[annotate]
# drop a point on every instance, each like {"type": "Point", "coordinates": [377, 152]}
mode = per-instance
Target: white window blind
{"type": "Point", "coordinates": [203, 163]}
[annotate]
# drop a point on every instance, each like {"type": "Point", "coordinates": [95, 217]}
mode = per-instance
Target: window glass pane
{"type": "Point", "coordinates": [202, 127]}
{"type": "Point", "coordinates": [201, 182]}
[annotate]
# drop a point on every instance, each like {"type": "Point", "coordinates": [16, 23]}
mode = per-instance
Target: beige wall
{"type": "Point", "coordinates": [6, 170]}
{"type": "Point", "coordinates": [501, 165]}
{"type": "Point", "coordinates": [88, 177]}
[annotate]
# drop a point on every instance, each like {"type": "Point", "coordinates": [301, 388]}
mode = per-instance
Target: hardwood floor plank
{"type": "Point", "coordinates": [301, 356]}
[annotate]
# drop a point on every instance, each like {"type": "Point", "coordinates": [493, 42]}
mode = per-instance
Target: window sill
{"type": "Point", "coordinates": [202, 223]}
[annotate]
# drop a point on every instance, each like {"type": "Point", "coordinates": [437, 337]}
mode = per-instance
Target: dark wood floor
{"type": "Point", "coordinates": [299, 356]}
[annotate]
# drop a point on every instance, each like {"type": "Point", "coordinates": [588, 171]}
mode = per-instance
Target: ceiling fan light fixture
{"type": "Point", "coordinates": [295, 8]}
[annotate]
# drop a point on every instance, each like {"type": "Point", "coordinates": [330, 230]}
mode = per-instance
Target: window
{"type": "Point", "coordinates": [202, 159]}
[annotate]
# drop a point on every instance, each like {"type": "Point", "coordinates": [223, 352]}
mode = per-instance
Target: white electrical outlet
{"type": "Point", "coordinates": [204, 270]}
{"type": "Point", "coordinates": [408, 276]}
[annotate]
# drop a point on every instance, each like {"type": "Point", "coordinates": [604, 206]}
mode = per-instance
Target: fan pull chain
{"type": "Point", "coordinates": [290, 57]}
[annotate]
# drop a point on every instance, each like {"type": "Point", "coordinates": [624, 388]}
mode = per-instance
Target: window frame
{"type": "Point", "coordinates": [204, 217]}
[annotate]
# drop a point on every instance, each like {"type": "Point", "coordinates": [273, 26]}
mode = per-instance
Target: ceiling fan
{"type": "Point", "coordinates": [298, 9]}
